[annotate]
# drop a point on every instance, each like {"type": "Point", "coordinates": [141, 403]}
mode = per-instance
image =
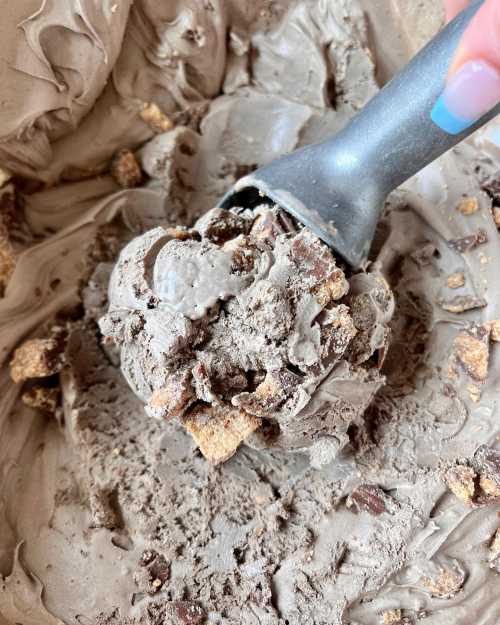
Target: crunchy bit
{"type": "Point", "coordinates": [462, 303]}
{"type": "Point", "coordinates": [243, 254]}
{"type": "Point", "coordinates": [5, 176]}
{"type": "Point", "coordinates": [447, 583]}
{"type": "Point", "coordinates": [466, 244]}
{"type": "Point", "coordinates": [313, 258]}
{"type": "Point", "coordinates": [7, 259]}
{"type": "Point", "coordinates": [487, 463]}
{"type": "Point", "coordinates": [479, 483]}
{"type": "Point", "coordinates": [102, 508]}
{"type": "Point", "coordinates": [156, 571]}
{"type": "Point", "coordinates": [496, 215]}
{"type": "Point", "coordinates": [489, 486]}
{"type": "Point", "coordinates": [155, 118]}
{"type": "Point", "coordinates": [392, 617]}
{"type": "Point", "coordinates": [474, 392]}
{"type": "Point", "coordinates": [495, 330]}
{"type": "Point", "coordinates": [471, 352]}
{"type": "Point", "coordinates": [369, 498]}
{"type": "Point", "coordinates": [468, 205]}
{"type": "Point", "coordinates": [494, 557]}
{"type": "Point", "coordinates": [275, 389]}
{"type": "Point", "coordinates": [172, 400]}
{"type": "Point", "coordinates": [492, 188]}
{"type": "Point", "coordinates": [455, 280]}
{"type": "Point", "coordinates": [461, 480]}
{"type": "Point", "coordinates": [220, 225]}
{"type": "Point", "coordinates": [331, 289]}
{"type": "Point", "coordinates": [37, 358]}
{"type": "Point", "coordinates": [218, 431]}
{"type": "Point", "coordinates": [125, 169]}
{"type": "Point", "coordinates": [7, 251]}
{"type": "Point", "coordinates": [267, 225]}
{"type": "Point", "coordinates": [41, 397]}
{"type": "Point", "coordinates": [180, 232]}
{"type": "Point", "coordinates": [189, 613]}
{"type": "Point", "coordinates": [337, 332]}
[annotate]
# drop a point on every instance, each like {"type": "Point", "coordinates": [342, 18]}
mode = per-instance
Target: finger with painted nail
{"type": "Point", "coordinates": [473, 83]}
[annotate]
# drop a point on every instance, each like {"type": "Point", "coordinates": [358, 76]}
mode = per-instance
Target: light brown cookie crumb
{"type": "Point", "coordinates": [455, 280]}
{"type": "Point", "coordinates": [391, 617]}
{"type": "Point", "coordinates": [461, 481]}
{"type": "Point", "coordinates": [155, 118]}
{"type": "Point", "coordinates": [218, 432]}
{"type": "Point", "coordinates": [37, 358]}
{"type": "Point", "coordinates": [471, 353]}
{"type": "Point", "coordinates": [446, 584]}
{"type": "Point", "coordinates": [468, 205]}
{"type": "Point", "coordinates": [125, 169]}
{"type": "Point", "coordinates": [495, 330]}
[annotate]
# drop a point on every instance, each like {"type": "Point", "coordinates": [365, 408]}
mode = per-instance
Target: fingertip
{"type": "Point", "coordinates": [453, 8]}
{"type": "Point", "coordinates": [481, 39]}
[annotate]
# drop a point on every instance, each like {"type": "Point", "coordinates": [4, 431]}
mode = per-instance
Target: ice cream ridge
{"type": "Point", "coordinates": [246, 328]}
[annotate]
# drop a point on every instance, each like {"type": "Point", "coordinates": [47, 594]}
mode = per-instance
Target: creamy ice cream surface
{"type": "Point", "coordinates": [206, 417]}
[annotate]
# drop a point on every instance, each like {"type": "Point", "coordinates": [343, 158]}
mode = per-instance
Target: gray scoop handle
{"type": "Point", "coordinates": [394, 134]}
{"type": "Point", "coordinates": [338, 187]}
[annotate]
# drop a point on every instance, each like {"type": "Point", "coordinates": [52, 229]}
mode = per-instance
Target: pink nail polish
{"type": "Point", "coordinates": [473, 90]}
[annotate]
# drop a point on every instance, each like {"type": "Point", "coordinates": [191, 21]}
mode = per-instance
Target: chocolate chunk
{"type": "Point", "coordinates": [42, 398]}
{"type": "Point", "coordinates": [269, 394]}
{"type": "Point", "coordinates": [496, 215]}
{"type": "Point", "coordinates": [313, 258]}
{"type": "Point", "coordinates": [220, 225]}
{"type": "Point", "coordinates": [369, 498]}
{"type": "Point", "coordinates": [468, 243]}
{"type": "Point", "coordinates": [492, 188]}
{"type": "Point", "coordinates": [189, 613]}
{"type": "Point", "coordinates": [157, 571]}
{"type": "Point", "coordinates": [147, 557]}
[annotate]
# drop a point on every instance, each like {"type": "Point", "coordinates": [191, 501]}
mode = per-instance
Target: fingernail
{"type": "Point", "coordinates": [469, 94]}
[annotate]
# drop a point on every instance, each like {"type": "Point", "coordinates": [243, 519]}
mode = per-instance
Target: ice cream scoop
{"type": "Point", "coordinates": [338, 187]}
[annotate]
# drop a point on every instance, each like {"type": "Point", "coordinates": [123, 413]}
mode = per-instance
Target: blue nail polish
{"type": "Point", "coordinates": [445, 119]}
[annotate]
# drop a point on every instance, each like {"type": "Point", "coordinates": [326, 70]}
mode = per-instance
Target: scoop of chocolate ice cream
{"type": "Point", "coordinates": [246, 328]}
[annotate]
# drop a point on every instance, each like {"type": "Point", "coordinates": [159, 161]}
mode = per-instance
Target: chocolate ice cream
{"type": "Point", "coordinates": [111, 517]}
